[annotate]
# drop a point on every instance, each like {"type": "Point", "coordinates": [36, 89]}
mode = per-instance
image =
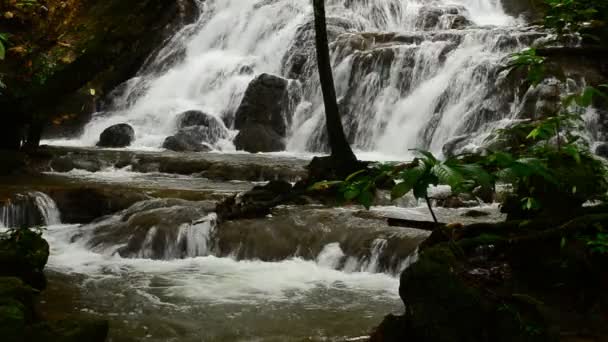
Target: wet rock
{"type": "Point", "coordinates": [23, 255]}
{"type": "Point", "coordinates": [530, 10]}
{"type": "Point", "coordinates": [475, 213]}
{"type": "Point", "coordinates": [120, 135]}
{"type": "Point", "coordinates": [259, 138]}
{"type": "Point", "coordinates": [190, 139]}
{"type": "Point", "coordinates": [299, 61]}
{"type": "Point", "coordinates": [602, 150]}
{"type": "Point", "coordinates": [305, 231]}
{"type": "Point", "coordinates": [156, 229]}
{"type": "Point", "coordinates": [85, 204]}
{"type": "Point", "coordinates": [262, 116]}
{"type": "Point", "coordinates": [263, 103]}
{"type": "Point", "coordinates": [67, 163]}
{"type": "Point", "coordinates": [20, 211]}
{"type": "Point", "coordinates": [212, 129]}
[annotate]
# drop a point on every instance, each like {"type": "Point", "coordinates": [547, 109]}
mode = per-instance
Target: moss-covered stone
{"type": "Point", "coordinates": [521, 281]}
{"type": "Point", "coordinates": [24, 255]}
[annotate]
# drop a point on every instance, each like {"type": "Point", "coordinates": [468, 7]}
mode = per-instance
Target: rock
{"type": "Point", "coordinates": [67, 163]}
{"type": "Point", "coordinates": [23, 255]}
{"type": "Point", "coordinates": [120, 135]}
{"type": "Point", "coordinates": [215, 128]}
{"type": "Point", "coordinates": [602, 150]}
{"type": "Point", "coordinates": [259, 138]}
{"type": "Point", "coordinates": [530, 10]}
{"type": "Point", "coordinates": [264, 103]}
{"type": "Point", "coordinates": [85, 204]}
{"type": "Point", "coordinates": [189, 139]}
{"type": "Point", "coordinates": [156, 229]}
{"type": "Point", "coordinates": [475, 213]}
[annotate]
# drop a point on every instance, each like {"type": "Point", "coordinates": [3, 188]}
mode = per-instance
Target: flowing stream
{"type": "Point", "coordinates": [409, 73]}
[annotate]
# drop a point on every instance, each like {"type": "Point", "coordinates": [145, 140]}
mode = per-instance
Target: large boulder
{"type": "Point", "coordinates": [120, 135]}
{"type": "Point", "coordinates": [261, 117]}
{"type": "Point", "coordinates": [259, 138]}
{"type": "Point", "coordinates": [189, 139]}
{"type": "Point", "coordinates": [263, 103]}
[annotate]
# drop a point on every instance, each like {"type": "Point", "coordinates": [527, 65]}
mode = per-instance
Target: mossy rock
{"type": "Point", "coordinates": [12, 321]}
{"type": "Point", "coordinates": [24, 255]}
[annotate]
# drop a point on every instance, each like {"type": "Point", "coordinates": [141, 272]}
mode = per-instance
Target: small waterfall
{"type": "Point", "coordinates": [29, 210]}
{"type": "Point", "coordinates": [332, 256]}
{"type": "Point", "coordinates": [48, 208]}
{"type": "Point", "coordinates": [188, 241]}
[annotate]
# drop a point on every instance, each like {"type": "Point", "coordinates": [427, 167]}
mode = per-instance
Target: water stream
{"type": "Point", "coordinates": [409, 74]}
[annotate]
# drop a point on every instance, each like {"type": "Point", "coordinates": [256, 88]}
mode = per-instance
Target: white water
{"type": "Point", "coordinates": [390, 112]}
{"type": "Point", "coordinates": [205, 298]}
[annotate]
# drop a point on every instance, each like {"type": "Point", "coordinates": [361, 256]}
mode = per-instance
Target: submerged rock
{"type": "Point", "coordinates": [189, 139]}
{"type": "Point", "coordinates": [120, 135]}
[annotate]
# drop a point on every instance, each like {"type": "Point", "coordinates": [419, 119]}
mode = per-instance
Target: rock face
{"type": "Point", "coordinates": [120, 135]}
{"type": "Point", "coordinates": [261, 117]}
{"type": "Point", "coordinates": [197, 130]}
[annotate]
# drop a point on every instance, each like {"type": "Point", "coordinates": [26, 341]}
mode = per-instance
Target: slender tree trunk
{"type": "Point", "coordinates": [428, 203]}
{"type": "Point", "coordinates": [340, 148]}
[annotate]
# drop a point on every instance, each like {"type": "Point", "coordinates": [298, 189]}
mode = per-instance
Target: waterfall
{"type": "Point", "coordinates": [29, 210]}
{"type": "Point", "coordinates": [409, 73]}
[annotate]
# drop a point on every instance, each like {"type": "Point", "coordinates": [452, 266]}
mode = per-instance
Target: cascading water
{"type": "Point", "coordinates": [29, 210]}
{"type": "Point", "coordinates": [409, 73]}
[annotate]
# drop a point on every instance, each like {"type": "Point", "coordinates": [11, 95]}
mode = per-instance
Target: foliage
{"type": "Point", "coordinates": [587, 17]}
{"type": "Point", "coordinates": [416, 177]}
{"type": "Point", "coordinates": [3, 42]}
{"type": "Point", "coordinates": [532, 64]}
{"type": "Point", "coordinates": [599, 244]}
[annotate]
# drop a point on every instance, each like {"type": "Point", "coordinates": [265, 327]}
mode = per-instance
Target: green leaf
{"type": "Point", "coordinates": [401, 189]}
{"type": "Point", "coordinates": [447, 175]}
{"type": "Point", "coordinates": [366, 198]}
{"type": "Point", "coordinates": [352, 176]}
{"type": "Point", "coordinates": [351, 193]}
{"type": "Point", "coordinates": [2, 51]}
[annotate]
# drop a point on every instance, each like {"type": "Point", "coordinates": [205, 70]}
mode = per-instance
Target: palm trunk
{"type": "Point", "coordinates": [340, 148]}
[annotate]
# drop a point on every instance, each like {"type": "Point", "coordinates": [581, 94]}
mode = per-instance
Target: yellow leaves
{"type": "Point", "coordinates": [57, 121]}
{"type": "Point", "coordinates": [18, 50]}
{"type": "Point", "coordinates": [92, 92]}
{"type": "Point", "coordinates": [8, 15]}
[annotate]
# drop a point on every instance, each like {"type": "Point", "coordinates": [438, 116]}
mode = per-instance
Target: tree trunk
{"type": "Point", "coordinates": [340, 148]}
